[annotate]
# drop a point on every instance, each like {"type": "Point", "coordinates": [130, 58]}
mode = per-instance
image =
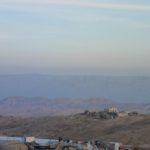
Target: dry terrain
{"type": "Point", "coordinates": [129, 130]}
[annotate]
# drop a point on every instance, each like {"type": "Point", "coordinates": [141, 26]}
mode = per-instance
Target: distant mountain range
{"type": "Point", "coordinates": [118, 88]}
{"type": "Point", "coordinates": [40, 95]}
{"type": "Point", "coordinates": [41, 106]}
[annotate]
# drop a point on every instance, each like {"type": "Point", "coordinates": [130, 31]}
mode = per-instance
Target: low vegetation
{"type": "Point", "coordinates": [128, 130]}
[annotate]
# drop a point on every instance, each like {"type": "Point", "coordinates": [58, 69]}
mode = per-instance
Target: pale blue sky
{"type": "Point", "coordinates": [75, 36]}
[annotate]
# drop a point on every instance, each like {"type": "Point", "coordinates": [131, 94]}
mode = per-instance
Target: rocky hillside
{"type": "Point", "coordinates": [128, 130]}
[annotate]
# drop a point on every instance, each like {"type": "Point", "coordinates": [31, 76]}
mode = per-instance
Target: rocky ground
{"type": "Point", "coordinates": [128, 130]}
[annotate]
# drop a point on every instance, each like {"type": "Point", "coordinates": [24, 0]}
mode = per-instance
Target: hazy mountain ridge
{"type": "Point", "coordinates": [118, 88]}
{"type": "Point", "coordinates": [47, 94]}
{"type": "Point", "coordinates": [42, 106]}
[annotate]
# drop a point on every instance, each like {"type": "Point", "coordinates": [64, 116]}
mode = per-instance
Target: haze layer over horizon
{"type": "Point", "coordinates": [75, 37]}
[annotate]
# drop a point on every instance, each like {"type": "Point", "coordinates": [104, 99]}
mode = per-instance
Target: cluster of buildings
{"type": "Point", "coordinates": [110, 113]}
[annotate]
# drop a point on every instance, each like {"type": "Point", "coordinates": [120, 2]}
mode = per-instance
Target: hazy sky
{"type": "Point", "coordinates": [75, 36]}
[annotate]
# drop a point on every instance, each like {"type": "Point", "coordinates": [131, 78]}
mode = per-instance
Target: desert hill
{"type": "Point", "coordinates": [129, 130]}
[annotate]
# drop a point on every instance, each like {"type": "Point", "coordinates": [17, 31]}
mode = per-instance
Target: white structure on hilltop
{"type": "Point", "coordinates": [112, 110]}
